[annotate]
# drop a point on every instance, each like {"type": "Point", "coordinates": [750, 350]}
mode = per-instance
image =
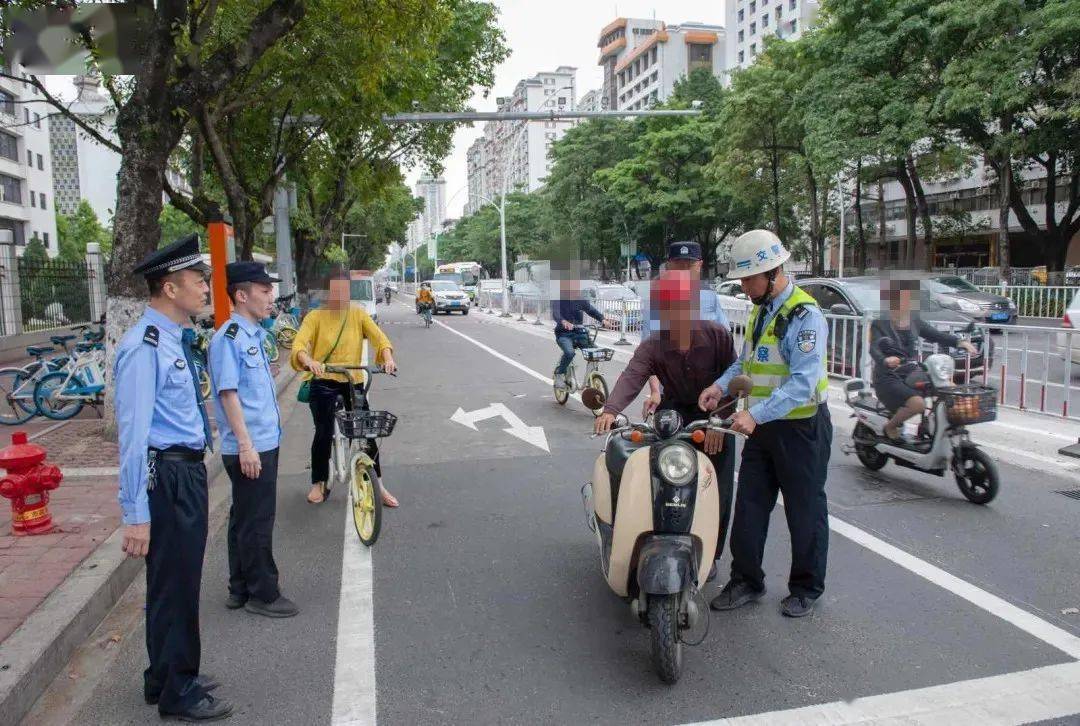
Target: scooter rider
{"type": "Point", "coordinates": [686, 354]}
{"type": "Point", "coordinates": [788, 424]}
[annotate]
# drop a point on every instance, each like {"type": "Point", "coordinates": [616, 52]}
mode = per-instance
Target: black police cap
{"type": "Point", "coordinates": [237, 272]}
{"type": "Point", "coordinates": [684, 251]}
{"type": "Point", "coordinates": [182, 254]}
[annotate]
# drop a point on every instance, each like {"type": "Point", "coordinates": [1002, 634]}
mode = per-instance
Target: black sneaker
{"type": "Point", "coordinates": [235, 602]}
{"type": "Point", "coordinates": [208, 709]}
{"type": "Point", "coordinates": [283, 607]}
{"type": "Point", "coordinates": [735, 594]}
{"type": "Point", "coordinates": [203, 681]}
{"type": "Point", "coordinates": [797, 606]}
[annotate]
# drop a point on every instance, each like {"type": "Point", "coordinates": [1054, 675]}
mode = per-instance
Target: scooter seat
{"type": "Point", "coordinates": [618, 451]}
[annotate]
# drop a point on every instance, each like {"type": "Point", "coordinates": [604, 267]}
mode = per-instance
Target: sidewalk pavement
{"type": "Point", "coordinates": [55, 588]}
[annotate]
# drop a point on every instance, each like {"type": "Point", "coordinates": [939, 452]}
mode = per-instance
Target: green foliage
{"type": "Point", "coordinates": [75, 231]}
{"type": "Point", "coordinates": [175, 224]}
{"type": "Point", "coordinates": [35, 254]}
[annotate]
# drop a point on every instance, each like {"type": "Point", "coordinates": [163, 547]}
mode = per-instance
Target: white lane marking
{"type": "Point", "coordinates": [1029, 623]}
{"type": "Point", "coordinates": [87, 471]}
{"type": "Point", "coordinates": [1013, 698]}
{"type": "Point", "coordinates": [354, 668]}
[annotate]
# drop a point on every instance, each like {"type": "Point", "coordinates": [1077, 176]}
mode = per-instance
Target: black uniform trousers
{"type": "Point", "coordinates": [724, 465]}
{"type": "Point", "coordinates": [789, 456]}
{"type": "Point", "coordinates": [324, 396]}
{"type": "Point", "coordinates": [178, 522]}
{"type": "Point", "coordinates": [252, 570]}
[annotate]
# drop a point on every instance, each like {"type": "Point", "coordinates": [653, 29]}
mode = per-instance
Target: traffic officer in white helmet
{"type": "Point", "coordinates": [788, 425]}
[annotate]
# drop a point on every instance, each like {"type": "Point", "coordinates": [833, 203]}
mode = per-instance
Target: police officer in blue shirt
{"type": "Point", "coordinates": [681, 256]}
{"type": "Point", "coordinates": [788, 424]}
{"type": "Point", "coordinates": [250, 424]}
{"type": "Point", "coordinates": [164, 431]}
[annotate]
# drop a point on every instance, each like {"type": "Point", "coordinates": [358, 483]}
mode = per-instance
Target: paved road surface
{"type": "Point", "coordinates": [488, 604]}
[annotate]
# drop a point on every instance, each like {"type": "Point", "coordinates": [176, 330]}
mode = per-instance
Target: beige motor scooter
{"type": "Point", "coordinates": [654, 505]}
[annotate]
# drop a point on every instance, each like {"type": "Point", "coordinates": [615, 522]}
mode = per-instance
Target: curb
{"type": "Point", "coordinates": [38, 650]}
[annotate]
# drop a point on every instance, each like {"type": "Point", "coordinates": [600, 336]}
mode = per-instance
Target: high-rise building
{"type": "Point", "coordinates": [592, 101]}
{"type": "Point", "coordinates": [519, 149]}
{"type": "Point", "coordinates": [644, 59]}
{"type": "Point", "coordinates": [26, 189]}
{"type": "Point", "coordinates": [433, 192]}
{"type": "Point", "coordinates": [749, 22]}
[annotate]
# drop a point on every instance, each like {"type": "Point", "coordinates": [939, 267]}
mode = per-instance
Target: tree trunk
{"type": "Point", "coordinates": [924, 212]}
{"type": "Point", "coordinates": [1004, 259]}
{"type": "Point", "coordinates": [775, 161]}
{"type": "Point", "coordinates": [908, 259]}
{"type": "Point", "coordinates": [815, 223]}
{"type": "Point", "coordinates": [884, 258]}
{"type": "Point", "coordinates": [860, 237]}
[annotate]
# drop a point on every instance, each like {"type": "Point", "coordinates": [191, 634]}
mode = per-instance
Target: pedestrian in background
{"type": "Point", "coordinates": [250, 425]}
{"type": "Point", "coordinates": [164, 432]}
{"type": "Point", "coordinates": [334, 335]}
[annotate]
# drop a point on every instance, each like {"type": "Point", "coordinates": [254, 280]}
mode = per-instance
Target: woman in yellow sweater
{"type": "Point", "coordinates": [314, 349]}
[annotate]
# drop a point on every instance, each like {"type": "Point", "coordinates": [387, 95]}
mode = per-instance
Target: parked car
{"type": "Point", "coordinates": [449, 297]}
{"type": "Point", "coordinates": [956, 293]}
{"type": "Point", "coordinates": [1069, 343]}
{"type": "Point", "coordinates": [735, 302]}
{"type": "Point", "coordinates": [608, 299]}
{"type": "Point", "coordinates": [861, 296]}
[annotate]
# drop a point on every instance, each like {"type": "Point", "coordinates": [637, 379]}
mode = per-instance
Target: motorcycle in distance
{"type": "Point", "coordinates": [943, 442]}
{"type": "Point", "coordinates": [654, 505]}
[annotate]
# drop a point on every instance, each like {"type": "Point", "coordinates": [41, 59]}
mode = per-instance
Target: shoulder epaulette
{"type": "Point", "coordinates": [232, 330]}
{"type": "Point", "coordinates": [151, 335]}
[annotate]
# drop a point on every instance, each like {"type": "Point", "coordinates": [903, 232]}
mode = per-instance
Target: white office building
{"type": "Point", "coordinates": [26, 188]}
{"type": "Point", "coordinates": [749, 22]}
{"type": "Point", "coordinates": [520, 148]}
{"type": "Point", "coordinates": [644, 59]}
{"type": "Point", "coordinates": [592, 101]}
{"type": "Point", "coordinates": [433, 192]}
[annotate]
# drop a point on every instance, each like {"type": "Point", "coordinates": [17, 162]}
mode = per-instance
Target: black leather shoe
{"type": "Point", "coordinates": [797, 606]}
{"type": "Point", "coordinates": [235, 602]}
{"type": "Point", "coordinates": [203, 681]}
{"type": "Point", "coordinates": [283, 607]}
{"type": "Point", "coordinates": [736, 594]}
{"type": "Point", "coordinates": [208, 709]}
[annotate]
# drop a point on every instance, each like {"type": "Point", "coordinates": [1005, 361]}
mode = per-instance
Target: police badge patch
{"type": "Point", "coordinates": [763, 354]}
{"type": "Point", "coordinates": [252, 350]}
{"type": "Point", "coordinates": [807, 340]}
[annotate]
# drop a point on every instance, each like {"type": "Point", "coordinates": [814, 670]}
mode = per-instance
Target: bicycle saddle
{"type": "Point", "coordinates": [61, 339]}
{"type": "Point", "coordinates": [37, 352]}
{"type": "Point", "coordinates": [85, 347]}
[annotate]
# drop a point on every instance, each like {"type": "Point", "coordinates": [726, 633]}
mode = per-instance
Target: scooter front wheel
{"type": "Point", "coordinates": [666, 646]}
{"type": "Point", "coordinates": [870, 457]}
{"type": "Point", "coordinates": [976, 475]}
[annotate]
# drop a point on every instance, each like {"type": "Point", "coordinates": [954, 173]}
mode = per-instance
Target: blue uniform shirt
{"type": "Point", "coordinates": [238, 363]}
{"type": "Point", "coordinates": [805, 366]}
{"type": "Point", "coordinates": [155, 405]}
{"type": "Point", "coordinates": [709, 309]}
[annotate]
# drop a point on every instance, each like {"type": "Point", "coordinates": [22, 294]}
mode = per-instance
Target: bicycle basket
{"type": "Point", "coordinates": [969, 404]}
{"type": "Point", "coordinates": [597, 355]}
{"type": "Point", "coordinates": [366, 424]}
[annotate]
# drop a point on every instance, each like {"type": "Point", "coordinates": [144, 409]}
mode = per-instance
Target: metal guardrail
{"type": "Point", "coordinates": [1036, 301]}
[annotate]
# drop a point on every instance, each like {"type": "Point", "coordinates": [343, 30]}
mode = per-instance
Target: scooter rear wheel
{"type": "Point", "coordinates": [666, 646]}
{"type": "Point", "coordinates": [979, 483]}
{"type": "Point", "coordinates": [870, 457]}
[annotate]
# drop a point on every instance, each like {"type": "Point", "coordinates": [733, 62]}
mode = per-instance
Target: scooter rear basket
{"type": "Point", "coordinates": [969, 404]}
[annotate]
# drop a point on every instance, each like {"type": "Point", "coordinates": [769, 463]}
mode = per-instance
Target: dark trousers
{"type": "Point", "coordinates": [566, 343]}
{"type": "Point", "coordinates": [324, 396]}
{"type": "Point", "coordinates": [178, 513]}
{"type": "Point", "coordinates": [252, 570]}
{"type": "Point", "coordinates": [789, 456]}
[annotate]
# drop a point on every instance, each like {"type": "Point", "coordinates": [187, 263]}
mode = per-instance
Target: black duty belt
{"type": "Point", "coordinates": [179, 453]}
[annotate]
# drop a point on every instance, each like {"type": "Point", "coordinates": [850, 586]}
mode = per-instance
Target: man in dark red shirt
{"type": "Point", "coordinates": [687, 354]}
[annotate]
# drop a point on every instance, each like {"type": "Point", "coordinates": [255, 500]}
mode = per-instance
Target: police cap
{"type": "Point", "coordinates": [183, 254]}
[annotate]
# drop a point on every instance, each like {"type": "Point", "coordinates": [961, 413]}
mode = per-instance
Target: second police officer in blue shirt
{"type": "Point", "coordinates": [250, 423]}
{"type": "Point", "coordinates": [788, 424]}
{"type": "Point", "coordinates": [163, 432]}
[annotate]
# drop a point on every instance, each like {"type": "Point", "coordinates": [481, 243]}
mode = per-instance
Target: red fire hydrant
{"type": "Point", "coordinates": [27, 485]}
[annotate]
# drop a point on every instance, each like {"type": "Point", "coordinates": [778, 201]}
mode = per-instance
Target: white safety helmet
{"type": "Point", "coordinates": [756, 251]}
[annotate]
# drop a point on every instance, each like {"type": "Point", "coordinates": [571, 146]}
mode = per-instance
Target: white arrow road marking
{"type": "Point", "coordinates": [529, 434]}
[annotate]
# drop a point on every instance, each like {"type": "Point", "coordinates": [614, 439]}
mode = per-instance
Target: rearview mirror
{"type": "Point", "coordinates": [740, 385]}
{"type": "Point", "coordinates": [741, 296]}
{"type": "Point", "coordinates": [593, 399]}
{"type": "Point", "coordinates": [841, 309]}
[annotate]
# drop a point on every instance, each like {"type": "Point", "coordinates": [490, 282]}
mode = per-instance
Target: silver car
{"type": "Point", "coordinates": [956, 293]}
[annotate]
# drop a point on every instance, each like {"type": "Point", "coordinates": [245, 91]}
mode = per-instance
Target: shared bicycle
{"type": "Point", "coordinates": [584, 341]}
{"type": "Point", "coordinates": [353, 450]}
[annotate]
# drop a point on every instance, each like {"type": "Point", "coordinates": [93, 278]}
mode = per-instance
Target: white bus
{"type": "Point", "coordinates": [466, 274]}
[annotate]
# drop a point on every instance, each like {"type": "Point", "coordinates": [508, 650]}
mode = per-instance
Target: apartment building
{"type": "Point", "coordinates": [749, 22]}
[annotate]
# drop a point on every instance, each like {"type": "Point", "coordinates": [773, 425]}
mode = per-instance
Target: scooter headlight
{"type": "Point", "coordinates": [677, 464]}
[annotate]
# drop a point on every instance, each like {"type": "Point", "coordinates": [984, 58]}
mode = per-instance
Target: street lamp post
{"type": "Point", "coordinates": [840, 187]}
{"type": "Point", "coordinates": [344, 235]}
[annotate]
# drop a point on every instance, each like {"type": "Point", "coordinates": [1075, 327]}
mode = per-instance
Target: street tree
{"type": "Point", "coordinates": [75, 231]}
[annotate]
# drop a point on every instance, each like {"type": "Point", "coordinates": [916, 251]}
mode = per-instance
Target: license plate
{"type": "Point", "coordinates": [999, 316]}
{"type": "Point", "coordinates": [455, 303]}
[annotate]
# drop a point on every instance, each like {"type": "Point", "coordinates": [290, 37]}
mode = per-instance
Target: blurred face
{"type": "Point", "coordinates": [898, 299]}
{"type": "Point", "coordinates": [338, 295]}
{"type": "Point", "coordinates": [676, 297]}
{"type": "Point", "coordinates": [570, 288]}
{"type": "Point", "coordinates": [188, 290]}
{"type": "Point", "coordinates": [258, 302]}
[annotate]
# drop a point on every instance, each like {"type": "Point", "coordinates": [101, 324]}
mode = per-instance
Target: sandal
{"type": "Point", "coordinates": [389, 500]}
{"type": "Point", "coordinates": [322, 493]}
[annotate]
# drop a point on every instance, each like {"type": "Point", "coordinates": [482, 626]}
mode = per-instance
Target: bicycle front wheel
{"type": "Point", "coordinates": [285, 337]}
{"type": "Point", "coordinates": [47, 397]}
{"type": "Point", "coordinates": [271, 347]}
{"type": "Point", "coordinates": [16, 397]}
{"type": "Point", "coordinates": [365, 493]}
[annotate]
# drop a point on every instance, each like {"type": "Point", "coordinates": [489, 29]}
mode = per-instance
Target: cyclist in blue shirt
{"type": "Point", "coordinates": [569, 311]}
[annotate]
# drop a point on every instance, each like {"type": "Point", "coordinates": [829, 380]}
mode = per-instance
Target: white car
{"type": "Point", "coordinates": [734, 302]}
{"type": "Point", "coordinates": [449, 297]}
{"type": "Point", "coordinates": [1071, 321]}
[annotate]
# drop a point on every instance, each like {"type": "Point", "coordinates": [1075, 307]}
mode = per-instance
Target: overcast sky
{"type": "Point", "coordinates": [542, 35]}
